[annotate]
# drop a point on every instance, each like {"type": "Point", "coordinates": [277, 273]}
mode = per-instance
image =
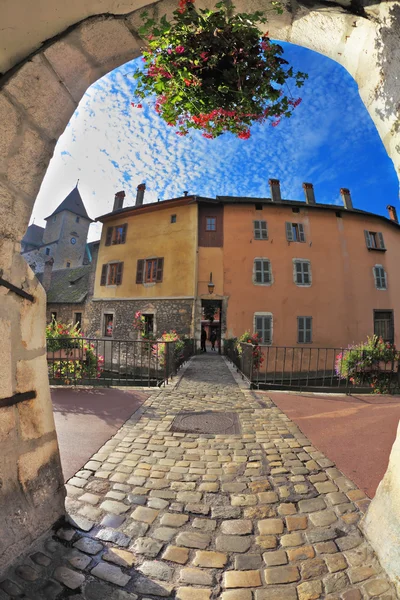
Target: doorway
{"type": "Point", "coordinates": [211, 319]}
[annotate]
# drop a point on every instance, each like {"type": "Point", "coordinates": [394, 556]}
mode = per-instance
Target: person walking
{"type": "Point", "coordinates": [213, 339]}
{"type": "Point", "coordinates": [203, 339]}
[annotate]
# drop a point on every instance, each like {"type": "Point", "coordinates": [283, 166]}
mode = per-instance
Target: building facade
{"type": "Point", "coordinates": [297, 273]}
{"type": "Point", "coordinates": [64, 239]}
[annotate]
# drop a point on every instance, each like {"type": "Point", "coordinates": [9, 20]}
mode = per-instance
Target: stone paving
{"type": "Point", "coordinates": [256, 515]}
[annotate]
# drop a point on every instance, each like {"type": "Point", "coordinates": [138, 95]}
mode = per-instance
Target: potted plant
{"type": "Point", "coordinates": [215, 71]}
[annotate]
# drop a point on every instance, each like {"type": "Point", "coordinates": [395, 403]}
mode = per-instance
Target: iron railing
{"type": "Point", "coordinates": [309, 368]}
{"type": "Point", "coordinates": [108, 362]}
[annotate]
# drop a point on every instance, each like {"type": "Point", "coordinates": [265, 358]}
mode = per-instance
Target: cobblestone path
{"type": "Point", "coordinates": [256, 515]}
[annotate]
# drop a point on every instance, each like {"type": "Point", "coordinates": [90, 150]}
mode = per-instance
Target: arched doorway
{"type": "Point", "coordinates": [41, 87]}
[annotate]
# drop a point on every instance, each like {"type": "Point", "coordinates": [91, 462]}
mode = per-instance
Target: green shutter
{"type": "Point", "coordinates": [289, 232]}
{"type": "Point", "coordinates": [103, 278]}
{"type": "Point", "coordinates": [140, 271]}
{"type": "Point", "coordinates": [160, 268]}
{"type": "Point", "coordinates": [120, 269]}
{"type": "Point", "coordinates": [109, 236]}
{"type": "Point", "coordinates": [124, 228]}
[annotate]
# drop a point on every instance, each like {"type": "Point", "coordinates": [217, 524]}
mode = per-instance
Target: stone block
{"type": "Point", "coordinates": [309, 590]}
{"type": "Point", "coordinates": [236, 595]}
{"type": "Point", "coordinates": [190, 593]}
{"type": "Point", "coordinates": [210, 559]}
{"type": "Point", "coordinates": [237, 527]}
{"type": "Point", "coordinates": [108, 42]}
{"type": "Point", "coordinates": [175, 554]}
{"type": "Point", "coordinates": [247, 562]}
{"type": "Point", "coordinates": [270, 526]}
{"type": "Point", "coordinates": [275, 575]}
{"type": "Point", "coordinates": [110, 573]}
{"type": "Point", "coordinates": [120, 557]}
{"type": "Point", "coordinates": [191, 539]}
{"type": "Point", "coordinates": [233, 543]}
{"type": "Point", "coordinates": [196, 576]}
{"type": "Point", "coordinates": [10, 120]}
{"type": "Point", "coordinates": [88, 545]}
{"type": "Point", "coordinates": [275, 558]}
{"type": "Point", "coordinates": [37, 90]}
{"type": "Point", "coordinates": [71, 579]}
{"type": "Point", "coordinates": [242, 579]}
{"type": "Point", "coordinates": [157, 570]}
{"type": "Point", "coordinates": [74, 69]}
{"type": "Point", "coordinates": [25, 172]}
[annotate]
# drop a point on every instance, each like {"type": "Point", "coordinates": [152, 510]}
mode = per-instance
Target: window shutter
{"type": "Point", "coordinates": [140, 271]}
{"type": "Point", "coordinates": [103, 275]}
{"type": "Point", "coordinates": [302, 236]}
{"type": "Point", "coordinates": [124, 228]}
{"type": "Point", "coordinates": [264, 230]}
{"type": "Point", "coordinates": [109, 235]}
{"type": "Point", "coordinates": [381, 241]}
{"type": "Point", "coordinates": [308, 321]}
{"type": "Point", "coordinates": [120, 268]}
{"type": "Point", "coordinates": [384, 283]}
{"type": "Point", "coordinates": [367, 239]}
{"type": "Point", "coordinates": [268, 328]}
{"type": "Point", "coordinates": [376, 277]}
{"type": "Point", "coordinates": [267, 272]}
{"type": "Point", "coordinates": [289, 232]}
{"type": "Point", "coordinates": [306, 273]}
{"type": "Point", "coordinates": [160, 268]}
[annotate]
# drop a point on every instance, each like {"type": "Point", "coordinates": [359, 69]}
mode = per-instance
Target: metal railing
{"type": "Point", "coordinates": [309, 368]}
{"type": "Point", "coordinates": [109, 362]}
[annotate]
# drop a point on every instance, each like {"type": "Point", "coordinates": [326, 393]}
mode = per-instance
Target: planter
{"type": "Point", "coordinates": [66, 354]}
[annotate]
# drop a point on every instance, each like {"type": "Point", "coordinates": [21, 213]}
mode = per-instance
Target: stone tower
{"type": "Point", "coordinates": [65, 235]}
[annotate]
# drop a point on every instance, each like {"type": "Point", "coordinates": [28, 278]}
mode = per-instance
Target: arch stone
{"type": "Point", "coordinates": [39, 91]}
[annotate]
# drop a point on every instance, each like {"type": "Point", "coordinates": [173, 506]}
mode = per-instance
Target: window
{"type": "Point", "coordinates": [295, 209]}
{"type": "Point", "coordinates": [374, 240]}
{"type": "Point", "coordinates": [380, 277]}
{"type": "Point", "coordinates": [302, 272]}
{"type": "Point", "coordinates": [173, 218]}
{"type": "Point", "coordinates": [47, 251]}
{"type": "Point", "coordinates": [116, 235]}
{"type": "Point", "coordinates": [295, 232]}
{"type": "Point", "coordinates": [111, 274]}
{"type": "Point", "coordinates": [258, 206]}
{"type": "Point", "coordinates": [77, 219]}
{"type": "Point", "coordinates": [68, 264]}
{"type": "Point", "coordinates": [383, 325]}
{"type": "Point", "coordinates": [260, 230]}
{"type": "Point", "coordinates": [338, 214]}
{"type": "Point", "coordinates": [262, 271]}
{"type": "Point", "coordinates": [263, 327]}
{"type": "Point", "coordinates": [211, 223]}
{"type": "Point", "coordinates": [304, 330]}
{"type": "Point", "coordinates": [150, 270]}
{"type": "Point", "coordinates": [78, 319]}
{"type": "Point", "coordinates": [108, 325]}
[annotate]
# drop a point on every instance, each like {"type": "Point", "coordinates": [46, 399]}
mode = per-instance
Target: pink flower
{"type": "Point", "coordinates": [179, 49]}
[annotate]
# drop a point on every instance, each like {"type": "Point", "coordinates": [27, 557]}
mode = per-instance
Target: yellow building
{"type": "Point", "coordinates": [297, 273]}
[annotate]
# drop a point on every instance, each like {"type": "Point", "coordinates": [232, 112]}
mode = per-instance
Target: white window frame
{"type": "Point", "coordinates": [378, 278]}
{"type": "Point", "coordinates": [263, 260]}
{"type": "Point", "coordinates": [264, 314]}
{"type": "Point", "coordinates": [259, 232]}
{"type": "Point", "coordinates": [304, 330]}
{"type": "Point", "coordinates": [302, 260]}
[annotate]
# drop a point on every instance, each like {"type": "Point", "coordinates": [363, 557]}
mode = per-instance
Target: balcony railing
{"type": "Point", "coordinates": [308, 368]}
{"type": "Point", "coordinates": [91, 361]}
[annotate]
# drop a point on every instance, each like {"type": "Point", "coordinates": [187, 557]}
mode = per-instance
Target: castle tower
{"type": "Point", "coordinates": [65, 235]}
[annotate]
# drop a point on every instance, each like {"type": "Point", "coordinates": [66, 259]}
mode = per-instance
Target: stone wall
{"type": "Point", "coordinates": [168, 314]}
{"type": "Point", "coordinates": [66, 313]}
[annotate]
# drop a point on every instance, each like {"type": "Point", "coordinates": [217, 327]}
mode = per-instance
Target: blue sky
{"type": "Point", "coordinates": [330, 141]}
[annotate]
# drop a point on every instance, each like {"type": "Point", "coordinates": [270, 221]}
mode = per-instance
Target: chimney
{"type": "Point", "coordinates": [275, 190]}
{"type": "Point", "coordinates": [119, 200]}
{"type": "Point", "coordinates": [185, 193]}
{"type": "Point", "coordinates": [48, 268]}
{"type": "Point", "coordinates": [309, 193]}
{"type": "Point", "coordinates": [140, 194]}
{"type": "Point", "coordinates": [346, 197]}
{"type": "Point", "coordinates": [392, 213]}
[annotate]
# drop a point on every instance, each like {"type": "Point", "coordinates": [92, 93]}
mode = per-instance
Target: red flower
{"type": "Point", "coordinates": [180, 49]}
{"type": "Point", "coordinates": [244, 135]}
{"type": "Point", "coordinates": [139, 106]}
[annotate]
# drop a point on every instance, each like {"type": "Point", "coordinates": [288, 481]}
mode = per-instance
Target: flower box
{"type": "Point", "coordinates": [66, 354]}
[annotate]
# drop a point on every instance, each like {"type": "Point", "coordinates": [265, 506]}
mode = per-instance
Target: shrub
{"type": "Point", "coordinates": [365, 364]}
{"type": "Point", "coordinates": [64, 339]}
{"type": "Point", "coordinates": [215, 71]}
{"type": "Point", "coordinates": [254, 340]}
{"type": "Point", "coordinates": [160, 349]}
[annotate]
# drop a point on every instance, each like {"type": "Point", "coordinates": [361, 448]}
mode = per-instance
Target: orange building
{"type": "Point", "coordinates": [297, 273]}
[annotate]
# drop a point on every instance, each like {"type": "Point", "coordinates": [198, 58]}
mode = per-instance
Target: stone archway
{"type": "Point", "coordinates": [39, 92]}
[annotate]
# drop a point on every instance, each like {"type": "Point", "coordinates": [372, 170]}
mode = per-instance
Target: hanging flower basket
{"type": "Point", "coordinates": [215, 71]}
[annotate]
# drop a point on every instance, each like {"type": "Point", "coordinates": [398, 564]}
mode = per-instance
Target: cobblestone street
{"type": "Point", "coordinates": [247, 510]}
